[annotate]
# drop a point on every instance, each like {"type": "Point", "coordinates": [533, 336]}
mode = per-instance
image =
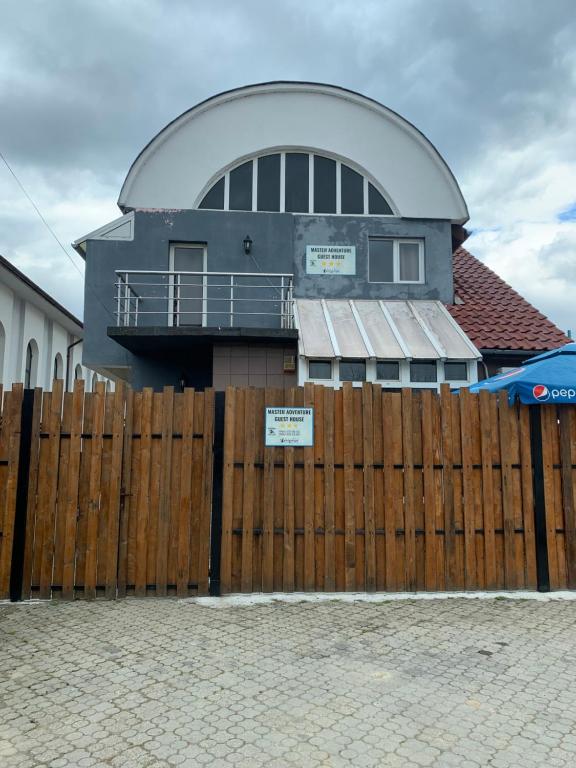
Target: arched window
{"type": "Point", "coordinates": [296, 182]}
{"type": "Point", "coordinates": [94, 382]}
{"type": "Point", "coordinates": [31, 366]}
{"type": "Point", "coordinates": [2, 349]}
{"type": "Point", "coordinates": [58, 367]}
{"type": "Point", "coordinates": [78, 373]}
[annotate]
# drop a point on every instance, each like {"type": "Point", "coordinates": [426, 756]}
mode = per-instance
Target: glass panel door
{"type": "Point", "coordinates": [188, 291]}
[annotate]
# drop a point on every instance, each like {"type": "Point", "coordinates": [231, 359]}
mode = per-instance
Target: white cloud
{"type": "Point", "coordinates": [539, 260]}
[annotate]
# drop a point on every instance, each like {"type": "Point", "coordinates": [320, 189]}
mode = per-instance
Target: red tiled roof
{"type": "Point", "coordinates": [493, 315]}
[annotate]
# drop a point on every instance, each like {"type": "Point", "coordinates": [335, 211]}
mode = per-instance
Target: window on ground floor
{"type": "Point", "coordinates": [320, 369]}
{"type": "Point", "coordinates": [58, 372]}
{"type": "Point", "coordinates": [423, 371]}
{"type": "Point", "coordinates": [456, 371]}
{"type": "Point", "coordinates": [31, 366]}
{"type": "Point", "coordinates": [388, 370]}
{"type": "Point", "coordinates": [352, 370]}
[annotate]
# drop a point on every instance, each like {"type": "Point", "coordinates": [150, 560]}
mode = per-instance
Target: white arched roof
{"type": "Point", "coordinates": [177, 167]}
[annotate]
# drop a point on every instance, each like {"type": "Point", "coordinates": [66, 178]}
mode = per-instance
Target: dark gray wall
{"type": "Point", "coordinates": [356, 230]}
{"type": "Point", "coordinates": [279, 245]}
{"type": "Point", "coordinates": [273, 251]}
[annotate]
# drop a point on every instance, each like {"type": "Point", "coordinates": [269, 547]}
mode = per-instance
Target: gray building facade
{"type": "Point", "coordinates": [230, 273]}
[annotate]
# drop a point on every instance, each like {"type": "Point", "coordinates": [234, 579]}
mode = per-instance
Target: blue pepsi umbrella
{"type": "Point", "coordinates": [546, 378]}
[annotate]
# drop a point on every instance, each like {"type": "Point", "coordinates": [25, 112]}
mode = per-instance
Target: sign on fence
{"type": "Point", "coordinates": [289, 426]}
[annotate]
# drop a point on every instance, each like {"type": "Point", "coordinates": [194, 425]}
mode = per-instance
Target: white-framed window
{"type": "Point", "coordinates": [352, 370]}
{"type": "Point", "coordinates": [455, 370]}
{"type": "Point", "coordinates": [423, 371]}
{"type": "Point", "coordinates": [320, 370]}
{"type": "Point", "coordinates": [395, 260]}
{"type": "Point", "coordinates": [387, 370]}
{"type": "Point", "coordinates": [296, 181]}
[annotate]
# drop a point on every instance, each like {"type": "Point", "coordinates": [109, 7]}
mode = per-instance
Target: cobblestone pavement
{"type": "Point", "coordinates": [165, 683]}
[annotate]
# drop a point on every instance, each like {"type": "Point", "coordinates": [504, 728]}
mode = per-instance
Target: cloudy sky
{"type": "Point", "coordinates": [84, 85]}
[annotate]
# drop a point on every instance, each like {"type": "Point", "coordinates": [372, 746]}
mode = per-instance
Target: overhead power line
{"type": "Point", "coordinates": [42, 219]}
{"type": "Point", "coordinates": [54, 235]}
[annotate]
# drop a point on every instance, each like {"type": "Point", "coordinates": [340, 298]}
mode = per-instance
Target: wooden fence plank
{"type": "Point", "coordinates": [154, 490]}
{"type": "Point", "coordinates": [566, 424]}
{"type": "Point", "coordinates": [527, 497]}
{"type": "Point", "coordinates": [448, 482]}
{"type": "Point", "coordinates": [51, 488]}
{"type": "Point", "coordinates": [83, 494]}
{"type": "Point", "coordinates": [549, 437]}
{"type": "Point", "coordinates": [349, 512]}
{"type": "Point", "coordinates": [329, 526]}
{"type": "Point", "coordinates": [339, 506]}
{"type": "Point", "coordinates": [430, 543]}
{"type": "Point", "coordinates": [114, 497]}
{"type": "Point", "coordinates": [164, 491]}
{"type": "Point", "coordinates": [126, 502]}
{"type": "Point", "coordinates": [248, 490]}
{"type": "Point", "coordinates": [467, 403]}
{"type": "Point", "coordinates": [43, 495]}
{"type": "Point", "coordinates": [271, 398]}
{"type": "Point", "coordinates": [11, 419]}
{"type": "Point", "coordinates": [319, 513]}
{"type": "Point", "coordinates": [368, 457]}
{"type": "Point", "coordinates": [487, 491]}
{"type": "Point", "coordinates": [359, 511]}
{"type": "Point", "coordinates": [143, 504]}
{"type": "Point", "coordinates": [288, 571]}
{"type": "Point", "coordinates": [206, 497]}
{"type": "Point", "coordinates": [185, 496]}
{"type": "Point", "coordinates": [31, 509]}
{"type": "Point", "coordinates": [94, 492]}
{"type": "Point", "coordinates": [59, 512]}
{"type": "Point", "coordinates": [72, 486]}
{"type": "Point", "coordinates": [408, 461]}
{"type": "Point", "coordinates": [392, 580]}
{"type": "Point", "coordinates": [228, 491]}
{"type": "Point", "coordinates": [309, 574]}
{"type": "Point", "coordinates": [379, 488]}
{"type": "Point", "coordinates": [504, 416]}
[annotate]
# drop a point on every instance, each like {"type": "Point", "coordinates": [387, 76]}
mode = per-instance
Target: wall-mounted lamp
{"type": "Point", "coordinates": [247, 243]}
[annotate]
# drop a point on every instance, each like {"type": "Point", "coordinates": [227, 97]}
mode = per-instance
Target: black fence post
{"type": "Point", "coordinates": [217, 487]}
{"type": "Point", "coordinates": [19, 540]}
{"type": "Point", "coordinates": [542, 569]}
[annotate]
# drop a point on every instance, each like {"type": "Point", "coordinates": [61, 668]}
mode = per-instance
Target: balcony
{"type": "Point", "coordinates": [178, 306]}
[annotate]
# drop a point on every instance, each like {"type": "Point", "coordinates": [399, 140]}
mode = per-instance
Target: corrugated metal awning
{"type": "Point", "coordinates": [388, 330]}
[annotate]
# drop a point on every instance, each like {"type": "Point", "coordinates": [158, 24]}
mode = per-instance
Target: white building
{"type": "Point", "coordinates": [40, 340]}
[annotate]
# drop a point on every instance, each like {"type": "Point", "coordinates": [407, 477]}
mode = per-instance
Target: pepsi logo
{"type": "Point", "coordinates": [541, 393]}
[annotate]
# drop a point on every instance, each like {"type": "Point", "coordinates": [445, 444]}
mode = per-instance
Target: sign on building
{"type": "Point", "coordinates": [289, 426]}
{"type": "Point", "coordinates": [330, 259]}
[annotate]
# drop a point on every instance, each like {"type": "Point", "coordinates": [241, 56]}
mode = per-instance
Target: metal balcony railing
{"type": "Point", "coordinates": [204, 299]}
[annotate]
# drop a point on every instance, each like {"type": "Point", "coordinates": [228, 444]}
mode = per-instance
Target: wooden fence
{"type": "Point", "coordinates": [115, 494]}
{"type": "Point", "coordinates": [409, 491]}
{"type": "Point", "coordinates": [119, 493]}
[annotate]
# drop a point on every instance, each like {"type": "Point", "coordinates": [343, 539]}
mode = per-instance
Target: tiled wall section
{"type": "Point", "coordinates": [254, 366]}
